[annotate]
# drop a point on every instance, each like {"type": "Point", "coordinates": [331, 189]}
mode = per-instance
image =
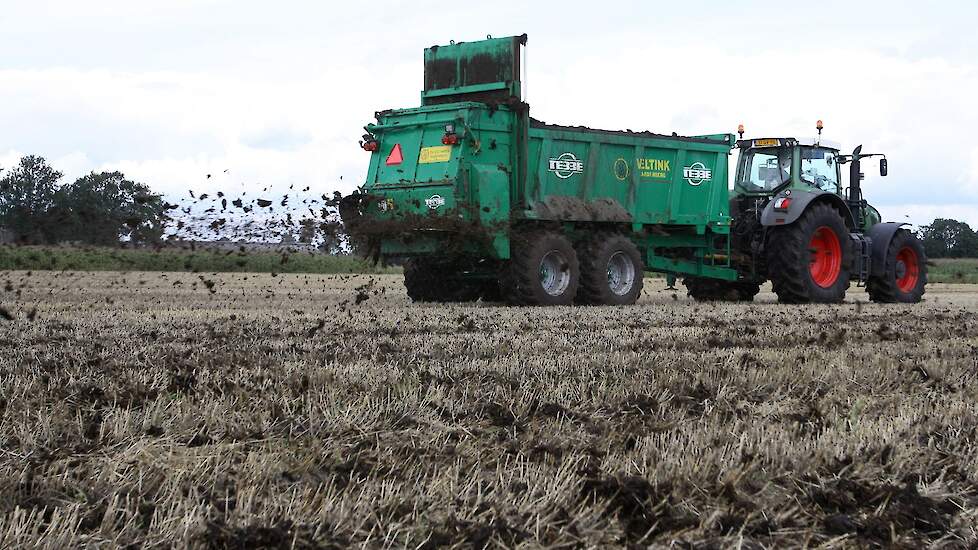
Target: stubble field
{"type": "Point", "coordinates": [309, 411]}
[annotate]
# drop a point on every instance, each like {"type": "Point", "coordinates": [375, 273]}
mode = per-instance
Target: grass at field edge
{"type": "Point", "coordinates": [945, 270]}
{"type": "Point", "coordinates": [177, 259]}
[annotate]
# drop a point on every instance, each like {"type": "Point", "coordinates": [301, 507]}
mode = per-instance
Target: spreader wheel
{"type": "Point", "coordinates": [904, 275]}
{"type": "Point", "coordinates": [611, 271]}
{"type": "Point", "coordinates": [808, 261]}
{"type": "Point", "coordinates": [542, 271]}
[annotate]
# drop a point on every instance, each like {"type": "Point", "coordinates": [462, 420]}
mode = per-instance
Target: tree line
{"type": "Point", "coordinates": [102, 208]}
{"type": "Point", "coordinates": [946, 238]}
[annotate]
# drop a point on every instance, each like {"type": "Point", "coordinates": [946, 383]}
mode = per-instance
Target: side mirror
{"type": "Point", "coordinates": [883, 167]}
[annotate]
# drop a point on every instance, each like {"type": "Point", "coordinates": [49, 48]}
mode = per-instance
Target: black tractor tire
{"type": "Point", "coordinates": [433, 281]}
{"type": "Point", "coordinates": [612, 271]}
{"type": "Point", "coordinates": [703, 289]}
{"type": "Point", "coordinates": [808, 261]}
{"type": "Point", "coordinates": [904, 272]}
{"type": "Point", "coordinates": [542, 271]}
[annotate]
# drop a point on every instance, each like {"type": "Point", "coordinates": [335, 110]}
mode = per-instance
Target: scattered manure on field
{"type": "Point", "coordinates": [873, 512]}
{"type": "Point", "coordinates": [474, 534]}
{"type": "Point", "coordinates": [643, 510]}
{"type": "Point", "coordinates": [887, 333]}
{"type": "Point", "coordinates": [217, 534]}
{"type": "Point", "coordinates": [830, 338]}
{"type": "Point", "coordinates": [281, 412]}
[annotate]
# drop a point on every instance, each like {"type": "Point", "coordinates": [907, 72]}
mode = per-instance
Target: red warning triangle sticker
{"type": "Point", "coordinates": [396, 157]}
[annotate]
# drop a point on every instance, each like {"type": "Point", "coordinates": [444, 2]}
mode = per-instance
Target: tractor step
{"type": "Point", "coordinates": [864, 246]}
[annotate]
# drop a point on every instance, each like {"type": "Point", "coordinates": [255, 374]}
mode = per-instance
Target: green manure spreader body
{"type": "Point", "coordinates": [468, 190]}
{"type": "Point", "coordinates": [504, 172]}
{"type": "Point", "coordinates": [665, 192]}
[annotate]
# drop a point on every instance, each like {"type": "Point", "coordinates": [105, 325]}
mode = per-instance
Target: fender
{"type": "Point", "coordinates": [881, 234]}
{"type": "Point", "coordinates": [800, 200]}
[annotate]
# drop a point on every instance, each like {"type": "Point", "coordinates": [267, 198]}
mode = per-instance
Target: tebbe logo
{"type": "Point", "coordinates": [697, 173]}
{"type": "Point", "coordinates": [435, 202]}
{"type": "Point", "coordinates": [566, 165]}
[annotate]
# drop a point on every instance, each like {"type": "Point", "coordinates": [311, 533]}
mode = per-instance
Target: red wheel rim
{"type": "Point", "coordinates": [826, 257]}
{"type": "Point", "coordinates": [907, 269]}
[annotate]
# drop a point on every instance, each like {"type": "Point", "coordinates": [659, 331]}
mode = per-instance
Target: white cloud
{"type": "Point", "coordinates": [9, 159]}
{"type": "Point", "coordinates": [73, 163]}
{"type": "Point", "coordinates": [971, 177]}
{"type": "Point", "coordinates": [171, 129]}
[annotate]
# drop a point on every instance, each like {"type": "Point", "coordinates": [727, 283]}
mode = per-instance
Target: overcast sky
{"type": "Point", "coordinates": [277, 93]}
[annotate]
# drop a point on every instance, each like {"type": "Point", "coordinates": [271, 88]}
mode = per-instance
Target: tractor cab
{"type": "Point", "coordinates": [774, 168]}
{"type": "Point", "coordinates": [770, 165]}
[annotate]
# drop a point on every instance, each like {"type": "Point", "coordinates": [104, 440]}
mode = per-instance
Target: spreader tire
{"type": "Point", "coordinates": [703, 289]}
{"type": "Point", "coordinates": [611, 271]}
{"type": "Point", "coordinates": [904, 272]}
{"type": "Point", "coordinates": [542, 271]}
{"type": "Point", "coordinates": [808, 261]}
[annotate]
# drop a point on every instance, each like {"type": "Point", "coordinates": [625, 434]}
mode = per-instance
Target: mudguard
{"type": "Point", "coordinates": [799, 203]}
{"type": "Point", "coordinates": [881, 234]}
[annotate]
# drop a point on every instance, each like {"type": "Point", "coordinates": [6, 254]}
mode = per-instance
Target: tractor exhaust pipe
{"type": "Point", "coordinates": [855, 176]}
{"type": "Point", "coordinates": [855, 187]}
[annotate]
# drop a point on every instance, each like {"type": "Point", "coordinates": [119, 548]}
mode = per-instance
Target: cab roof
{"type": "Point", "coordinates": [787, 142]}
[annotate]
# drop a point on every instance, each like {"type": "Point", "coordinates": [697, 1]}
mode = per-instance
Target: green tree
{"type": "Point", "coordinates": [104, 207]}
{"type": "Point", "coordinates": [334, 236]}
{"type": "Point", "coordinates": [307, 230]}
{"type": "Point", "coordinates": [27, 195]}
{"type": "Point", "coordinates": [946, 238]}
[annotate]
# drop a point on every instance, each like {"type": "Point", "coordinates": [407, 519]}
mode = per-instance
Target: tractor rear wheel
{"type": "Point", "coordinates": [808, 261]}
{"type": "Point", "coordinates": [542, 271]}
{"type": "Point", "coordinates": [904, 272]}
{"type": "Point", "coordinates": [611, 271]}
{"type": "Point", "coordinates": [437, 281]}
{"type": "Point", "coordinates": [703, 289]}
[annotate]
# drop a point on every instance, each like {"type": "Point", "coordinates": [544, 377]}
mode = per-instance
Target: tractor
{"type": "Point", "coordinates": [794, 224]}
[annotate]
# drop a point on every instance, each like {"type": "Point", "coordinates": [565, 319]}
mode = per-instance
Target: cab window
{"type": "Point", "coordinates": [820, 169]}
{"type": "Point", "coordinates": [764, 169]}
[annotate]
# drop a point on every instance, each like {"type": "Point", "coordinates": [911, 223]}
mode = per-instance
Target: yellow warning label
{"type": "Point", "coordinates": [439, 153]}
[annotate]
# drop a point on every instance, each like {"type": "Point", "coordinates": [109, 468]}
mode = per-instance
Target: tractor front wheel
{"type": "Point", "coordinates": [808, 261]}
{"type": "Point", "coordinates": [904, 272]}
{"type": "Point", "coordinates": [542, 271]}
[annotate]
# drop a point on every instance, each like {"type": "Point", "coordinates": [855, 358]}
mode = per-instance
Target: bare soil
{"type": "Point", "coordinates": [219, 410]}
